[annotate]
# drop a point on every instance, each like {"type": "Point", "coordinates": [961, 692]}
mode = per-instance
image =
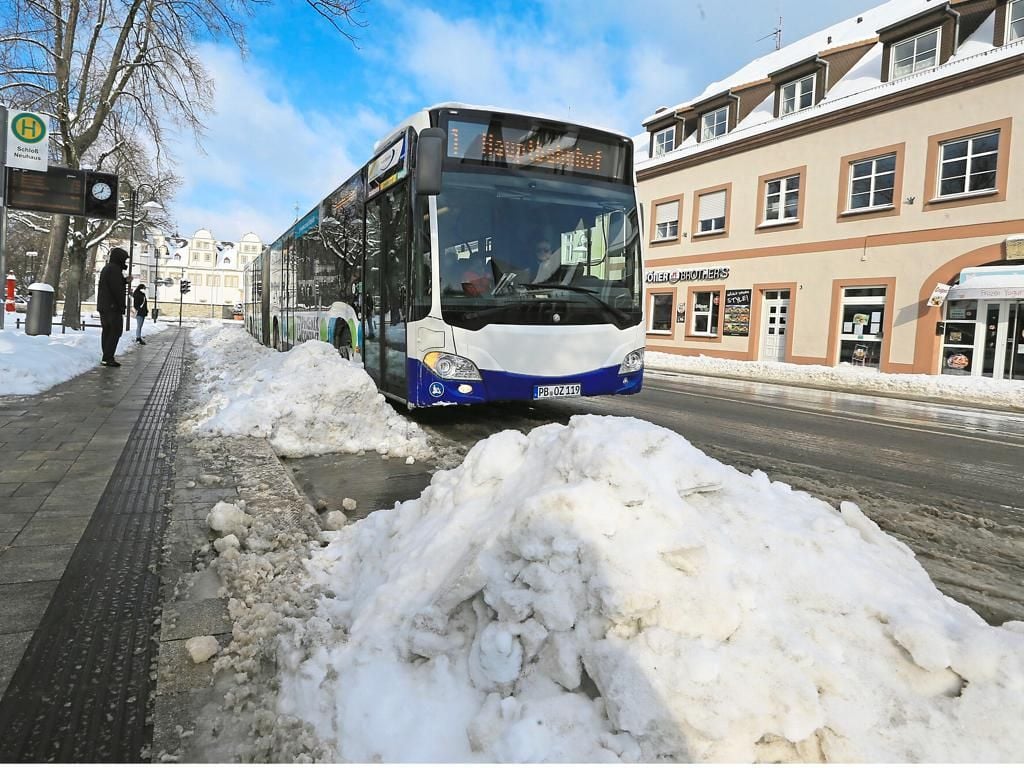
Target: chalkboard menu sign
{"type": "Point", "coordinates": [736, 321]}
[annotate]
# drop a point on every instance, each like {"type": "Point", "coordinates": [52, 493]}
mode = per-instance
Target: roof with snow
{"type": "Point", "coordinates": [863, 82]}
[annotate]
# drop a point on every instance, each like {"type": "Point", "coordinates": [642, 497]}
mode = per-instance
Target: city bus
{"type": "Point", "coordinates": [478, 256]}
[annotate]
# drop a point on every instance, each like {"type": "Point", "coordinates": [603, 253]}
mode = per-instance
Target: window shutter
{"type": "Point", "coordinates": [666, 212]}
{"type": "Point", "coordinates": [712, 206]}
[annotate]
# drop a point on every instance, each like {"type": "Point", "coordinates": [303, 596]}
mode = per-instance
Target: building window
{"type": "Point", "coordinates": [969, 165]}
{"type": "Point", "coordinates": [863, 326]}
{"type": "Point", "coordinates": [797, 95]}
{"type": "Point", "coordinates": [714, 124]}
{"type": "Point", "coordinates": [872, 182]}
{"type": "Point", "coordinates": [666, 221]}
{"type": "Point", "coordinates": [915, 54]}
{"type": "Point", "coordinates": [705, 313]}
{"type": "Point", "coordinates": [661, 313]}
{"type": "Point", "coordinates": [664, 141]}
{"type": "Point", "coordinates": [782, 200]}
{"type": "Point", "coordinates": [711, 216]}
{"type": "Point", "coordinates": [1015, 21]}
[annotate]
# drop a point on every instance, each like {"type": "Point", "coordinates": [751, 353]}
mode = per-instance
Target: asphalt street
{"type": "Point", "coordinates": [946, 480]}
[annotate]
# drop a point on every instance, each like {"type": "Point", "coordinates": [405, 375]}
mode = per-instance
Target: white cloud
{"type": "Point", "coordinates": [555, 69]}
{"type": "Point", "coordinates": [263, 154]}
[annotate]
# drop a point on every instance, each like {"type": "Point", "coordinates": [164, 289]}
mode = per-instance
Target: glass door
{"type": "Point", "coordinates": [386, 290]}
{"type": "Point", "coordinates": [1014, 356]}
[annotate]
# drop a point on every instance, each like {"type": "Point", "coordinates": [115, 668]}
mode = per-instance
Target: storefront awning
{"type": "Point", "coordinates": [996, 286]}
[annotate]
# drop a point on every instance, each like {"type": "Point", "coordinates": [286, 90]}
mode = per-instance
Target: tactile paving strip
{"type": "Point", "coordinates": [82, 689]}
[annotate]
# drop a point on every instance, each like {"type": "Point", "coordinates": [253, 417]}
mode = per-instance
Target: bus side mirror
{"type": "Point", "coordinates": [429, 159]}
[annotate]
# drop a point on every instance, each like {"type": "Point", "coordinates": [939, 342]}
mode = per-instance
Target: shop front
{"type": "Point", "coordinates": [983, 326]}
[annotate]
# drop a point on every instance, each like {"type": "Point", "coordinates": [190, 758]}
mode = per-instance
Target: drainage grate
{"type": "Point", "coordinates": [82, 689]}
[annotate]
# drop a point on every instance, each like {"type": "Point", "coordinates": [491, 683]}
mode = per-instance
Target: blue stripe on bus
{"type": "Point", "coordinates": [426, 389]}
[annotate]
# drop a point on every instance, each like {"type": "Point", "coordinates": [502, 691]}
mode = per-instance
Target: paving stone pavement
{"type": "Point", "coordinates": [81, 526]}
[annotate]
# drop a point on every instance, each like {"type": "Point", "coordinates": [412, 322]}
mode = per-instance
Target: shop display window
{"type": "Point", "coordinates": [862, 327]}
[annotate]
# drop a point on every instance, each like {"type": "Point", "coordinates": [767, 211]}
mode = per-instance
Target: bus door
{"type": "Point", "coordinates": [386, 292]}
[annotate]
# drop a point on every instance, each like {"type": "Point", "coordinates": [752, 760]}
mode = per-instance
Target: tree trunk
{"type": "Point", "coordinates": [87, 282]}
{"type": "Point", "coordinates": [77, 257]}
{"type": "Point", "coordinates": [55, 252]}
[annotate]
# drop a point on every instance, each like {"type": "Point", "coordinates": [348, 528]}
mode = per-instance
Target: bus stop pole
{"type": "Point", "coordinates": [3, 216]}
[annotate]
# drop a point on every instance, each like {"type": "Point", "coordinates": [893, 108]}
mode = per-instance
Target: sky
{"type": "Point", "coordinates": [303, 108]}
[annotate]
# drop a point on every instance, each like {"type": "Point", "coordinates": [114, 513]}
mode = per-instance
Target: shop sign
{"type": "Point", "coordinates": [672, 276]}
{"type": "Point", "coordinates": [939, 295]}
{"type": "Point", "coordinates": [958, 361]}
{"type": "Point", "coordinates": [736, 320]}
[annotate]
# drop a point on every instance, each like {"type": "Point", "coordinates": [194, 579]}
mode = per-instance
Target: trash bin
{"type": "Point", "coordinates": [156, 314]}
{"type": "Point", "coordinates": [39, 319]}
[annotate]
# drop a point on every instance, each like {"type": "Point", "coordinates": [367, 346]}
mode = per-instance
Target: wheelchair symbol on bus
{"type": "Point", "coordinates": [436, 389]}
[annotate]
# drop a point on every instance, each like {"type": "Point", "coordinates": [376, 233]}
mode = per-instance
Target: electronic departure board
{"type": "Point", "coordinates": [63, 190]}
{"type": "Point", "coordinates": [507, 141]}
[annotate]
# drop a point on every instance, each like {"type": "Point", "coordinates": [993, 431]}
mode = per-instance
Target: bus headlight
{"type": "Point", "coordinates": [633, 362]}
{"type": "Point", "coordinates": [449, 366]}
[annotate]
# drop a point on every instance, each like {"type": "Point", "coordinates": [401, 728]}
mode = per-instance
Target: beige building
{"type": "Point", "coordinates": [806, 208]}
{"type": "Point", "coordinates": [213, 267]}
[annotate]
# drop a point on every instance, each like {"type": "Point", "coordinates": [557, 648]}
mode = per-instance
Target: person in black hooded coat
{"type": "Point", "coordinates": [110, 301]}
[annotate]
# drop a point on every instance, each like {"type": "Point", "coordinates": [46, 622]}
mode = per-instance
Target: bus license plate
{"type": "Point", "coordinates": [555, 390]}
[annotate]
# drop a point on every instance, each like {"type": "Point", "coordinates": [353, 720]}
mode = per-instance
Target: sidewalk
{"type": "Point", "coordinates": [85, 475]}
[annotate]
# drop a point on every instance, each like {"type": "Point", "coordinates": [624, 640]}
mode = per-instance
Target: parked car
{"type": "Point", "coordinates": [20, 304]}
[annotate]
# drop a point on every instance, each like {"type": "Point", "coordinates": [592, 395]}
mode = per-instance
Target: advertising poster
{"type": "Point", "coordinates": [737, 313]}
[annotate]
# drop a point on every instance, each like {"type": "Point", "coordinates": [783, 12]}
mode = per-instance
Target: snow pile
{"type": "Point", "coordinates": [308, 401]}
{"type": "Point", "coordinates": [32, 364]}
{"type": "Point", "coordinates": [605, 591]}
{"type": "Point", "coordinates": [969, 390]}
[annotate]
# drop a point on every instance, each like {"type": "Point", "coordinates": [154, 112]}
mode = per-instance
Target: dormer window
{"type": "Point", "coordinates": [714, 124]}
{"type": "Point", "coordinates": [1015, 21]}
{"type": "Point", "coordinates": [664, 141]}
{"type": "Point", "coordinates": [797, 95]}
{"type": "Point", "coordinates": [915, 55]}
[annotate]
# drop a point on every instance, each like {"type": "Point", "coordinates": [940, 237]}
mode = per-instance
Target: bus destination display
{"type": "Point", "coordinates": [535, 148]}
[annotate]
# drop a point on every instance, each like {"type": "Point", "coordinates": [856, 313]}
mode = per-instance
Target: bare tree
{"type": "Point", "coordinates": [109, 73]}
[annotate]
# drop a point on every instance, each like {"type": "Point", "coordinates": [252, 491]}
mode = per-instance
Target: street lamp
{"type": "Point", "coordinates": [151, 205]}
{"type": "Point", "coordinates": [151, 240]}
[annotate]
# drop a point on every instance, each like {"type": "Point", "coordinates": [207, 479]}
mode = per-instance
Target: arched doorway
{"type": "Point", "coordinates": [982, 323]}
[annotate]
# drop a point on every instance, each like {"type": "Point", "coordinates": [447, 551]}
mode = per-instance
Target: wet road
{"type": "Point", "coordinates": [947, 480]}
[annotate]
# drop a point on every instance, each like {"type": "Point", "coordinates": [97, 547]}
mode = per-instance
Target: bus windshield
{"type": "Point", "coordinates": [534, 249]}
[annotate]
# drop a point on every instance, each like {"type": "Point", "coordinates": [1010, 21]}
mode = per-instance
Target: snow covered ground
{"type": "Point", "coordinates": [32, 364]}
{"type": "Point", "coordinates": [599, 591]}
{"type": "Point", "coordinates": [968, 390]}
{"type": "Point", "coordinates": [307, 402]}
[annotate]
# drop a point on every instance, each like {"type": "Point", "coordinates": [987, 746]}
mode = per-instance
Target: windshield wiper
{"type": "Point", "coordinates": [615, 311]}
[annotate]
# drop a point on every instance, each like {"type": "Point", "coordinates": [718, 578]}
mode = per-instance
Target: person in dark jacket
{"type": "Point", "coordinates": [141, 305]}
{"type": "Point", "coordinates": [110, 301]}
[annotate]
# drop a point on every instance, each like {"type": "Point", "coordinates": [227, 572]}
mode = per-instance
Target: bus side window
{"type": "Point", "coordinates": [420, 269]}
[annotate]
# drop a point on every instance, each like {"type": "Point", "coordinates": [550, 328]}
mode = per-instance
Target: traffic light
{"type": "Point", "coordinates": [186, 286]}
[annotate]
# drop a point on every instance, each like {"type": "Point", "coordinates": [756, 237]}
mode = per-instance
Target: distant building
{"type": "Point", "coordinates": [213, 267]}
{"type": "Point", "coordinates": [806, 208]}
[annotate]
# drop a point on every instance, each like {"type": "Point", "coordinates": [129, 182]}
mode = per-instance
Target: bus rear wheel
{"type": "Point", "coordinates": [343, 340]}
